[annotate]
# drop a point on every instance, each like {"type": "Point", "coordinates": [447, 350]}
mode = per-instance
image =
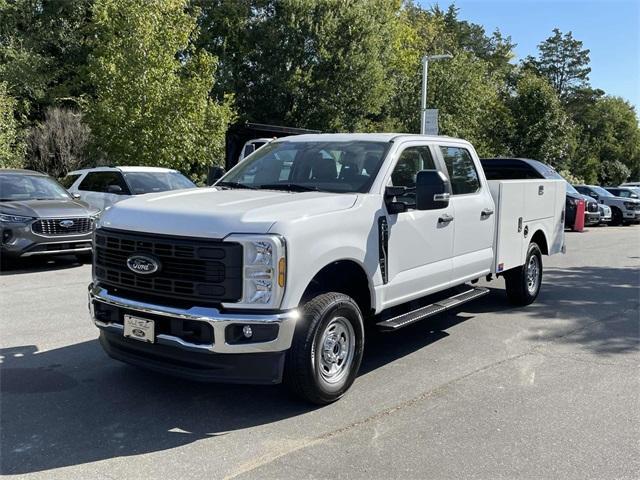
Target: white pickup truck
{"type": "Point", "coordinates": [275, 273]}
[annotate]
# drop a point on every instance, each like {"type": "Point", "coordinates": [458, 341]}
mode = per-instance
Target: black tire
{"type": "Point", "coordinates": [616, 216]}
{"type": "Point", "coordinates": [304, 374]}
{"type": "Point", "coordinates": [517, 280]}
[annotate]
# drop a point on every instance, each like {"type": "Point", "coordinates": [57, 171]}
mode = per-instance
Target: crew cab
{"type": "Point", "coordinates": [275, 273]}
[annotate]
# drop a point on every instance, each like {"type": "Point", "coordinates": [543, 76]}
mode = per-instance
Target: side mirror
{"type": "Point", "coordinates": [433, 190]}
{"type": "Point", "coordinates": [215, 173]}
{"type": "Point", "coordinates": [117, 189]}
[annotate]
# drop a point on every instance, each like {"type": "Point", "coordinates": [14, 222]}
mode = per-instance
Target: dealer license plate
{"type": "Point", "coordinates": [139, 328]}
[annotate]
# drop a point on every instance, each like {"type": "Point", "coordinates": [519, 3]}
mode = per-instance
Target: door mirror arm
{"type": "Point", "coordinates": [394, 206]}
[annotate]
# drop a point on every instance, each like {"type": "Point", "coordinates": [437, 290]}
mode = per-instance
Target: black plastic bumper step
{"type": "Point", "coordinates": [431, 310]}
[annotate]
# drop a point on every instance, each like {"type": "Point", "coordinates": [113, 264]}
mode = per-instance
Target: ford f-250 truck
{"type": "Point", "coordinates": [275, 273]}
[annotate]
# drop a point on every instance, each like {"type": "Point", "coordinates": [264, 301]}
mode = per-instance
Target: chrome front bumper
{"type": "Point", "coordinates": [218, 321]}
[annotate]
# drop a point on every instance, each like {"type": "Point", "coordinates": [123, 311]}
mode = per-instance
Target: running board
{"type": "Point", "coordinates": [431, 310]}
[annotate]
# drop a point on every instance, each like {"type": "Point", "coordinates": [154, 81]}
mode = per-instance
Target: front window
{"type": "Point", "coordinates": [30, 187]}
{"type": "Point", "coordinates": [148, 182]}
{"type": "Point", "coordinates": [342, 167]}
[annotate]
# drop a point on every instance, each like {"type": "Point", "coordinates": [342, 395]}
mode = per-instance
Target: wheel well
{"type": "Point", "coordinates": [540, 239]}
{"type": "Point", "coordinates": [343, 276]}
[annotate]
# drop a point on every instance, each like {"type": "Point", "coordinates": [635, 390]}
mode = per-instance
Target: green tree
{"type": "Point", "coordinates": [542, 129]}
{"type": "Point", "coordinates": [563, 62]}
{"type": "Point", "coordinates": [613, 172]}
{"type": "Point", "coordinates": [152, 102]}
{"type": "Point", "coordinates": [610, 133]}
{"type": "Point", "coordinates": [11, 142]}
{"type": "Point", "coordinates": [319, 64]}
{"type": "Point", "coordinates": [43, 53]}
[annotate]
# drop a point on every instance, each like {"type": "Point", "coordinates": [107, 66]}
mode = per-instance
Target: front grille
{"type": "Point", "coordinates": [205, 271]}
{"type": "Point", "coordinates": [62, 226]}
{"type": "Point", "coordinates": [592, 207]}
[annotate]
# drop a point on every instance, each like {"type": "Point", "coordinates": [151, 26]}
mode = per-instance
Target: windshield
{"type": "Point", "coordinates": [30, 187]}
{"type": "Point", "coordinates": [601, 191]}
{"type": "Point", "coordinates": [570, 189]}
{"type": "Point", "coordinates": [342, 167]}
{"type": "Point", "coordinates": [148, 182]}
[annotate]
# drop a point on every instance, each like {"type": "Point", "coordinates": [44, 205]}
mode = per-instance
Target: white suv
{"type": "Point", "coordinates": [101, 187]}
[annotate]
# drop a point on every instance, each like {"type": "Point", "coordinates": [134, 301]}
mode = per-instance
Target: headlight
{"type": "Point", "coordinates": [264, 270]}
{"type": "Point", "coordinates": [572, 201]}
{"type": "Point", "coordinates": [630, 205]}
{"type": "Point", "coordinates": [4, 218]}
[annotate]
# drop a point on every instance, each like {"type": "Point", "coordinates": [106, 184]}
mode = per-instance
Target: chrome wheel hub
{"type": "Point", "coordinates": [337, 347]}
{"type": "Point", "coordinates": [533, 274]}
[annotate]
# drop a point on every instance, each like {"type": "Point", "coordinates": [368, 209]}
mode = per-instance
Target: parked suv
{"type": "Point", "coordinates": [39, 217]}
{"type": "Point", "coordinates": [623, 210]}
{"type": "Point", "coordinates": [103, 186]}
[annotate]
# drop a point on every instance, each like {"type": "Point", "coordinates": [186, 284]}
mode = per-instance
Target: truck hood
{"type": "Point", "coordinates": [47, 208]}
{"type": "Point", "coordinates": [216, 213]}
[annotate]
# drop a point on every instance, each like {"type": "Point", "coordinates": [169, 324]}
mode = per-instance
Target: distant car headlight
{"type": "Point", "coordinates": [572, 201]}
{"type": "Point", "coordinates": [264, 270]}
{"type": "Point", "coordinates": [5, 218]}
{"type": "Point", "coordinates": [630, 205]}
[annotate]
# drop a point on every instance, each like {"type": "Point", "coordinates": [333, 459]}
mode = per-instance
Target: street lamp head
{"type": "Point", "coordinates": [429, 58]}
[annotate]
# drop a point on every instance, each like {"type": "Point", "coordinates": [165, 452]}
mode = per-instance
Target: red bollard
{"type": "Point", "coordinates": [578, 225]}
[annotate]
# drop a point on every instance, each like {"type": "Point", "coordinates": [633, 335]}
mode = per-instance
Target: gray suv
{"type": "Point", "coordinates": [39, 217]}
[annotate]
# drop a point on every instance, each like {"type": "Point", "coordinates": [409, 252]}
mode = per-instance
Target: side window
{"type": "Point", "coordinates": [69, 180]}
{"type": "Point", "coordinates": [102, 181]}
{"type": "Point", "coordinates": [411, 161]}
{"type": "Point", "coordinates": [462, 171]}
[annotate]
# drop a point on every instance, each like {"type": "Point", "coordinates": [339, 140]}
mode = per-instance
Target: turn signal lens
{"type": "Point", "coordinates": [282, 271]}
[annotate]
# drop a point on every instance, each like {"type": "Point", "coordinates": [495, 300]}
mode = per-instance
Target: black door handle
{"type": "Point", "coordinates": [445, 218]}
{"type": "Point", "coordinates": [487, 212]}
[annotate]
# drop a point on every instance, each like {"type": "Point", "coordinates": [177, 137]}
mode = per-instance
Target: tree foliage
{"type": "Point", "coordinates": [542, 129]}
{"type": "Point", "coordinates": [563, 62]}
{"type": "Point", "coordinates": [158, 81]}
{"type": "Point", "coordinates": [152, 104]}
{"type": "Point", "coordinates": [11, 143]}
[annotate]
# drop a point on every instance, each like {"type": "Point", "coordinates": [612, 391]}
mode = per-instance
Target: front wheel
{"type": "Point", "coordinates": [327, 348]}
{"type": "Point", "coordinates": [523, 283]}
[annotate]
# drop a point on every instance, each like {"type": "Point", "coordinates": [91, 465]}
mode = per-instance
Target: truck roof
{"type": "Point", "coordinates": [370, 137]}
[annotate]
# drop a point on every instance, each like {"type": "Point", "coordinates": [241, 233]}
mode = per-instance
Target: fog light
{"type": "Point", "coordinates": [247, 332]}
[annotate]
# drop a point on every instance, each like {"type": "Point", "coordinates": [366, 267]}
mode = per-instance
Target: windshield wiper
{"type": "Point", "coordinates": [235, 185]}
{"type": "Point", "coordinates": [291, 187]}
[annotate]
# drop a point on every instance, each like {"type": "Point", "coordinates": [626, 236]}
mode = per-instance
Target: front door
{"type": "Point", "coordinates": [420, 243]}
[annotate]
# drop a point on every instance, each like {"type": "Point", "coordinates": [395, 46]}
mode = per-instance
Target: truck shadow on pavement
{"type": "Point", "coordinates": [73, 405]}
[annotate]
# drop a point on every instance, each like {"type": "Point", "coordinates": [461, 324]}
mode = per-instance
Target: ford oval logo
{"type": "Point", "coordinates": [67, 223]}
{"type": "Point", "coordinates": [143, 264]}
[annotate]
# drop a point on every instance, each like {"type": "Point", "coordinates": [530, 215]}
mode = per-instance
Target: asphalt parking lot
{"type": "Point", "coordinates": [486, 391]}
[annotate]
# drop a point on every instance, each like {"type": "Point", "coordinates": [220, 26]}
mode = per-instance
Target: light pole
{"type": "Point", "coordinates": [425, 69]}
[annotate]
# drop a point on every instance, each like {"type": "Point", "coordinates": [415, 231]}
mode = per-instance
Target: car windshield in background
{"type": "Point", "coordinates": [149, 182]}
{"type": "Point", "coordinates": [340, 167]}
{"type": "Point", "coordinates": [602, 192]}
{"type": "Point", "coordinates": [14, 188]}
{"type": "Point", "coordinates": [570, 189]}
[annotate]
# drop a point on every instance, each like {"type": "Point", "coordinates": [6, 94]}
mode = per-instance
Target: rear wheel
{"type": "Point", "coordinates": [523, 283]}
{"type": "Point", "coordinates": [327, 348]}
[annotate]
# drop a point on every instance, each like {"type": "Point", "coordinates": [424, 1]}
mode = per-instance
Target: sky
{"type": "Point", "coordinates": [610, 29]}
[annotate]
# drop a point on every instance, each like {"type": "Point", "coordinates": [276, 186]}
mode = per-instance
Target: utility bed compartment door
{"type": "Point", "coordinates": [540, 199]}
{"type": "Point", "coordinates": [508, 197]}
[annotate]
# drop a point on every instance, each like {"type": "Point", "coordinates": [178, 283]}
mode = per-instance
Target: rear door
{"type": "Point", "coordinates": [474, 213]}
